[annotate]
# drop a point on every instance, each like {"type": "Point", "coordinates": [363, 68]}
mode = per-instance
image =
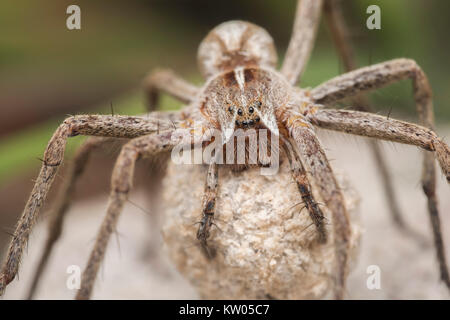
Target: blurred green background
{"type": "Point", "coordinates": [48, 71]}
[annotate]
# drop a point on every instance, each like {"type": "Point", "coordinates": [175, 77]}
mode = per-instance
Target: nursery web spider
{"type": "Point", "coordinates": [244, 90]}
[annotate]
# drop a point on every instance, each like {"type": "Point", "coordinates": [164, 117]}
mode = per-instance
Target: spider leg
{"type": "Point", "coordinates": [370, 125]}
{"type": "Point", "coordinates": [376, 126]}
{"type": "Point", "coordinates": [315, 160]}
{"type": "Point", "coordinates": [307, 18]}
{"type": "Point", "coordinates": [91, 125]}
{"type": "Point", "coordinates": [74, 173]}
{"type": "Point", "coordinates": [339, 33]}
{"type": "Point", "coordinates": [304, 186]}
{"type": "Point", "coordinates": [341, 39]}
{"type": "Point", "coordinates": [378, 76]}
{"type": "Point", "coordinates": [121, 184]}
{"type": "Point", "coordinates": [167, 81]}
{"type": "Point", "coordinates": [55, 223]}
{"type": "Point", "coordinates": [209, 204]}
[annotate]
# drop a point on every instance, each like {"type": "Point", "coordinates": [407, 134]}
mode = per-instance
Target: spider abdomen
{"type": "Point", "coordinates": [235, 44]}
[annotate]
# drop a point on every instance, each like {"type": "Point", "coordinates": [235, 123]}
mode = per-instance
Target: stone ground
{"type": "Point", "coordinates": [408, 271]}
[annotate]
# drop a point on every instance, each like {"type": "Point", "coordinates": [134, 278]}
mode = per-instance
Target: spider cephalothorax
{"type": "Point", "coordinates": [244, 92]}
{"type": "Point", "coordinates": [245, 98]}
{"type": "Point", "coordinates": [241, 92]}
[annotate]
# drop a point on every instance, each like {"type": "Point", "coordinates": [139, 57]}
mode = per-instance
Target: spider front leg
{"type": "Point", "coordinates": [121, 184]}
{"type": "Point", "coordinates": [74, 173]}
{"type": "Point", "coordinates": [301, 179]}
{"type": "Point", "coordinates": [370, 125]}
{"type": "Point", "coordinates": [316, 162]}
{"type": "Point", "coordinates": [380, 75]}
{"type": "Point", "coordinates": [55, 223]}
{"type": "Point", "coordinates": [307, 18]}
{"type": "Point", "coordinates": [167, 81]}
{"type": "Point", "coordinates": [91, 125]}
{"type": "Point", "coordinates": [209, 205]}
{"type": "Point", "coordinates": [341, 39]}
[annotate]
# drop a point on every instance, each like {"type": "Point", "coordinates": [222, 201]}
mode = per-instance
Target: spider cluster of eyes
{"type": "Point", "coordinates": [249, 115]}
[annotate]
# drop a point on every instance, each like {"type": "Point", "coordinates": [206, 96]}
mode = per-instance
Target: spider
{"type": "Point", "coordinates": [243, 90]}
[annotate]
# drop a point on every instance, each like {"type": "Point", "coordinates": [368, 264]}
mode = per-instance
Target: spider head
{"type": "Point", "coordinates": [235, 44]}
{"type": "Point", "coordinates": [244, 98]}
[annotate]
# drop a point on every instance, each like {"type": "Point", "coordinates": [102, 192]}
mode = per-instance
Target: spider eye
{"type": "Point", "coordinates": [251, 109]}
{"type": "Point", "coordinates": [257, 119]}
{"type": "Point", "coordinates": [230, 109]}
{"type": "Point", "coordinates": [258, 104]}
{"type": "Point", "coordinates": [240, 111]}
{"type": "Point", "coordinates": [237, 122]}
